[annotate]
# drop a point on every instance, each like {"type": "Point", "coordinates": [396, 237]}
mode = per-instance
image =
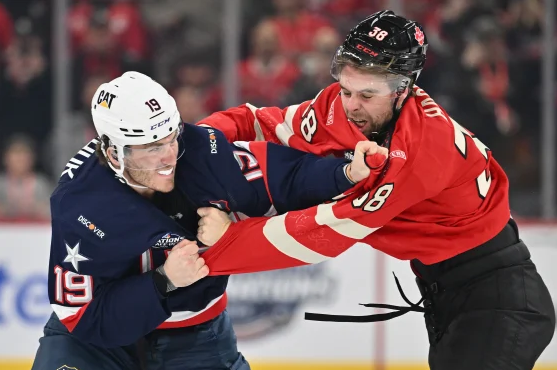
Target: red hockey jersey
{"type": "Point", "coordinates": [439, 194]}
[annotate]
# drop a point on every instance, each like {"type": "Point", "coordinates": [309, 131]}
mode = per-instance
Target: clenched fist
{"type": "Point", "coordinates": [183, 266]}
{"type": "Point", "coordinates": [212, 225]}
{"type": "Point", "coordinates": [367, 155]}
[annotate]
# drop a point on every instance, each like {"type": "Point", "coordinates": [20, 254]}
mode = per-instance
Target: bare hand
{"type": "Point", "coordinates": [212, 225]}
{"type": "Point", "coordinates": [359, 169]}
{"type": "Point", "coordinates": [183, 266]}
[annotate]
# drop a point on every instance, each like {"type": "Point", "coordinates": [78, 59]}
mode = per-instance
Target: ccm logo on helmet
{"type": "Point", "coordinates": [367, 50]}
{"type": "Point", "coordinates": [105, 99]}
{"type": "Point", "coordinates": [161, 123]}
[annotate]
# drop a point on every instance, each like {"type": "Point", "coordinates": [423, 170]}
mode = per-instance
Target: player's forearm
{"type": "Point", "coordinates": [123, 312]}
{"type": "Point", "coordinates": [263, 244]}
{"type": "Point", "coordinates": [297, 180]}
{"type": "Point", "coordinates": [322, 179]}
{"type": "Point", "coordinates": [314, 181]}
{"type": "Point", "coordinates": [243, 250]}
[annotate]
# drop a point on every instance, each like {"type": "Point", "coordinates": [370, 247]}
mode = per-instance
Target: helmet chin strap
{"type": "Point", "coordinates": [120, 171]}
{"type": "Point", "coordinates": [130, 184]}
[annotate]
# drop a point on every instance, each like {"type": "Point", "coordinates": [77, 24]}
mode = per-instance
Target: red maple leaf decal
{"type": "Point", "coordinates": [419, 35]}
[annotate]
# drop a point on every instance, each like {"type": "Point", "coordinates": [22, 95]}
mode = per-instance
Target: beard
{"type": "Point", "coordinates": [367, 124]}
{"type": "Point", "coordinates": [149, 178]}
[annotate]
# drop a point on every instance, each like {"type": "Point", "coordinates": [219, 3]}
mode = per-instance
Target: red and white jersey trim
{"type": "Point", "coordinates": [70, 316]}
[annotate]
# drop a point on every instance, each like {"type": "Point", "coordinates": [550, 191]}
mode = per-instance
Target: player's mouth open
{"type": "Point", "coordinates": [167, 172]}
{"type": "Point", "coordinates": [358, 122]}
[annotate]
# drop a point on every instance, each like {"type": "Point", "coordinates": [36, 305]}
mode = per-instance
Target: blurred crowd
{"type": "Point", "coordinates": [484, 68]}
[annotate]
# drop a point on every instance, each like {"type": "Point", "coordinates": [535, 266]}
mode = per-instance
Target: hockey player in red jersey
{"type": "Point", "coordinates": [440, 201]}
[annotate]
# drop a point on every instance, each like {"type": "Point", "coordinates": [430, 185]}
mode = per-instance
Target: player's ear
{"type": "Point", "coordinates": [402, 95]}
{"type": "Point", "coordinates": [112, 156]}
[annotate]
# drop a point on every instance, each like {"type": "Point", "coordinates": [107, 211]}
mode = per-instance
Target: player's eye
{"type": "Point", "coordinates": [346, 93]}
{"type": "Point", "coordinates": [154, 149]}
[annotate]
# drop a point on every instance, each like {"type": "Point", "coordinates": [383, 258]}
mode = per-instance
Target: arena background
{"type": "Point", "coordinates": [491, 64]}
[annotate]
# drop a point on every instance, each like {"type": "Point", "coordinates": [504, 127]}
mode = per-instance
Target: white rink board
{"type": "Point", "coordinates": [268, 309]}
{"type": "Point", "coordinates": [24, 306]}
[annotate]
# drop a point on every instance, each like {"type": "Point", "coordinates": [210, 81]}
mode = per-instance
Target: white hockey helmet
{"type": "Point", "coordinates": [133, 109]}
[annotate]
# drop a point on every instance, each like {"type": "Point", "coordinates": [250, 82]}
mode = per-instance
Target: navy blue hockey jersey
{"type": "Point", "coordinates": [107, 239]}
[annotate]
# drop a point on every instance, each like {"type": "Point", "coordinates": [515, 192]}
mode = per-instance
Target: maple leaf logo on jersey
{"type": "Point", "coordinates": [419, 35]}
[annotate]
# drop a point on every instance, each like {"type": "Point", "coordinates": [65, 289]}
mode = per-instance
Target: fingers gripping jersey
{"type": "Point", "coordinates": [439, 194]}
{"type": "Point", "coordinates": [107, 239]}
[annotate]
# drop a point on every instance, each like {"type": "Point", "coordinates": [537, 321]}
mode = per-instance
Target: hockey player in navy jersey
{"type": "Point", "coordinates": [125, 201]}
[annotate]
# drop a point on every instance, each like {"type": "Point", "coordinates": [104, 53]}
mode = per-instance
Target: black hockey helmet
{"type": "Point", "coordinates": [386, 41]}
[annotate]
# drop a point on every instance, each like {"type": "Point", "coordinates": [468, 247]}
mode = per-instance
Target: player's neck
{"type": "Point", "coordinates": [146, 193]}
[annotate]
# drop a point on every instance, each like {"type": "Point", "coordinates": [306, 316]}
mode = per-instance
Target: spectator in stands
{"type": "Point", "coordinates": [179, 27]}
{"type": "Point", "coordinates": [26, 93]}
{"type": "Point", "coordinates": [196, 71]}
{"type": "Point", "coordinates": [124, 26]}
{"type": "Point", "coordinates": [83, 129]}
{"type": "Point", "coordinates": [486, 58]}
{"type": "Point", "coordinates": [523, 22]}
{"type": "Point", "coordinates": [107, 38]}
{"type": "Point", "coordinates": [267, 75]}
{"type": "Point", "coordinates": [345, 13]}
{"type": "Point", "coordinates": [316, 67]}
{"type": "Point", "coordinates": [31, 17]}
{"type": "Point", "coordinates": [190, 104]}
{"type": "Point", "coordinates": [6, 29]}
{"type": "Point", "coordinates": [96, 50]}
{"type": "Point", "coordinates": [24, 193]}
{"type": "Point", "coordinates": [6, 35]}
{"type": "Point", "coordinates": [296, 26]}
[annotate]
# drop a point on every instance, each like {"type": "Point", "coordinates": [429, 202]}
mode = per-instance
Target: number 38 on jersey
{"type": "Point", "coordinates": [372, 203]}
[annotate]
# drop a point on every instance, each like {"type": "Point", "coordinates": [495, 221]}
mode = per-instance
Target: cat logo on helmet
{"type": "Point", "coordinates": [419, 35]}
{"type": "Point", "coordinates": [105, 99]}
{"type": "Point", "coordinates": [66, 367]}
